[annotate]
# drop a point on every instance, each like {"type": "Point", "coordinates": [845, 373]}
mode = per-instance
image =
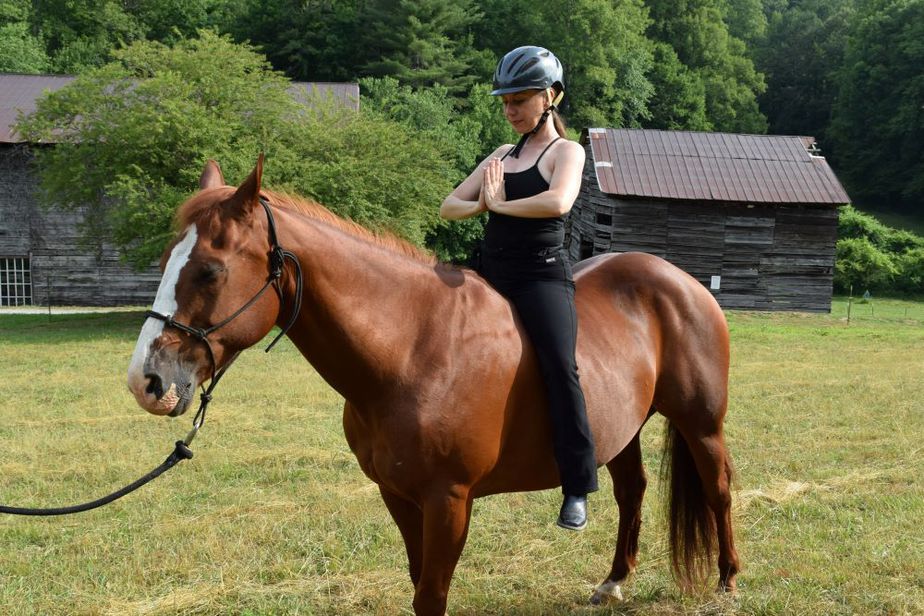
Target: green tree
{"type": "Point", "coordinates": [699, 35]}
{"type": "Point", "coordinates": [878, 122]}
{"type": "Point", "coordinates": [679, 100]}
{"type": "Point", "coordinates": [80, 34]}
{"type": "Point", "coordinates": [746, 20]}
{"type": "Point", "coordinates": [911, 267]}
{"type": "Point", "coordinates": [871, 255]}
{"type": "Point", "coordinates": [488, 113]}
{"type": "Point", "coordinates": [309, 41]}
{"type": "Point", "coordinates": [800, 56]}
{"type": "Point", "coordinates": [171, 20]}
{"type": "Point", "coordinates": [132, 136]}
{"type": "Point", "coordinates": [430, 111]}
{"type": "Point", "coordinates": [466, 138]}
{"type": "Point", "coordinates": [852, 223]}
{"type": "Point", "coordinates": [861, 266]}
{"type": "Point", "coordinates": [422, 42]}
{"type": "Point", "coordinates": [20, 50]}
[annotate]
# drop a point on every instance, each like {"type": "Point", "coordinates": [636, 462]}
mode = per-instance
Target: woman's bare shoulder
{"type": "Point", "coordinates": [500, 150]}
{"type": "Point", "coordinates": [567, 150]}
{"type": "Point", "coordinates": [571, 148]}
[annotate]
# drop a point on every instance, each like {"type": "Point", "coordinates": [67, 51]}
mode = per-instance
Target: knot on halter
{"type": "Point", "coordinates": [277, 262]}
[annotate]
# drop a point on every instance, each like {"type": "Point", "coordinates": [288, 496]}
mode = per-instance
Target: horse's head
{"type": "Point", "coordinates": [219, 261]}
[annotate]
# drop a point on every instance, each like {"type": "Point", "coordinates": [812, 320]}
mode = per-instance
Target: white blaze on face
{"type": "Point", "coordinates": [164, 303]}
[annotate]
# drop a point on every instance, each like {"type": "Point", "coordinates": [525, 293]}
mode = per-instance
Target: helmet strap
{"type": "Point", "coordinates": [515, 152]}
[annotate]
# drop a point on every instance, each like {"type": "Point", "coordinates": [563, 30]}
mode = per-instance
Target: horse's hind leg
{"type": "Point", "coordinates": [629, 483]}
{"type": "Point", "coordinates": [693, 517]}
{"type": "Point", "coordinates": [715, 469]}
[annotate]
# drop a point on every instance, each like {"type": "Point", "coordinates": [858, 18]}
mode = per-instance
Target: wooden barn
{"type": "Point", "coordinates": [752, 217]}
{"type": "Point", "coordinates": [43, 258]}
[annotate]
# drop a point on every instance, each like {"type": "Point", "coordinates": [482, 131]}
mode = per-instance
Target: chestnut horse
{"type": "Point", "coordinates": [444, 401]}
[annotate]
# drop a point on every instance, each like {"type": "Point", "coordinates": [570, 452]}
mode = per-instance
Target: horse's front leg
{"type": "Point", "coordinates": [446, 515]}
{"type": "Point", "coordinates": [409, 518]}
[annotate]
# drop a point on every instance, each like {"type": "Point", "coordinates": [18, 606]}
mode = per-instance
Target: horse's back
{"type": "Point", "coordinates": [641, 282]}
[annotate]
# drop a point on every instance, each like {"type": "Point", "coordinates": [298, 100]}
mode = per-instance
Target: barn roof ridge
{"type": "Point", "coordinates": [695, 165]}
{"type": "Point", "coordinates": [20, 91]}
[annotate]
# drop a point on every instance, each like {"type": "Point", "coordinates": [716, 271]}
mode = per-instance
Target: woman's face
{"type": "Point", "coordinates": [523, 109]}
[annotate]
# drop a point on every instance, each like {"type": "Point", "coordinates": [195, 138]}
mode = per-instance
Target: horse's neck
{"type": "Point", "coordinates": [359, 311]}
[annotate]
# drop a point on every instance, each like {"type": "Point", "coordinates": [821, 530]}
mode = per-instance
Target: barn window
{"type": "Point", "coordinates": [15, 281]}
{"type": "Point", "coordinates": [605, 220]}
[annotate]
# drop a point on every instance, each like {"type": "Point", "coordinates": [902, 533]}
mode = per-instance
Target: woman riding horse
{"type": "Point", "coordinates": [528, 189]}
{"type": "Point", "coordinates": [444, 398]}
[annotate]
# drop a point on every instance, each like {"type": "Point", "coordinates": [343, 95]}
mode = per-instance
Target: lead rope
{"type": "Point", "coordinates": [181, 451]}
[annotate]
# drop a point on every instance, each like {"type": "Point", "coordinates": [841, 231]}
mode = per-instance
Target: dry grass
{"type": "Point", "coordinates": [273, 516]}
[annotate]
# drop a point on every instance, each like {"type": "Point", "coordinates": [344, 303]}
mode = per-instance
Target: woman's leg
{"type": "Point", "coordinates": [546, 309]}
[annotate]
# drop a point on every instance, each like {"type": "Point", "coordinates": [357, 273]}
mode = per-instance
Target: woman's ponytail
{"type": "Point", "coordinates": [559, 123]}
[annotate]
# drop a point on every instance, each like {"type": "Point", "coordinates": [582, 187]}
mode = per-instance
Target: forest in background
{"type": "Point", "coordinates": [847, 72]}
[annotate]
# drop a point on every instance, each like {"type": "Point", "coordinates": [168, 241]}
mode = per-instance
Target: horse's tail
{"type": "Point", "coordinates": [691, 522]}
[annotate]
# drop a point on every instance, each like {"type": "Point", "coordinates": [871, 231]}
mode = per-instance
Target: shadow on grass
{"type": "Point", "coordinates": [631, 606]}
{"type": "Point", "coordinates": [656, 600]}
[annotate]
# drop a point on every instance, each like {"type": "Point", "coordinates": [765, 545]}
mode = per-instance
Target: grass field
{"type": "Point", "coordinates": [273, 516]}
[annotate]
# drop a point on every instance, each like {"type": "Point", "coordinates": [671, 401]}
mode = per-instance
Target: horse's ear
{"type": "Point", "coordinates": [247, 196]}
{"type": "Point", "coordinates": [211, 176]}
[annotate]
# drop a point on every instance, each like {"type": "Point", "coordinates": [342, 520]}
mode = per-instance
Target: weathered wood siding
{"type": "Point", "coordinates": [769, 257]}
{"type": "Point", "coordinates": [65, 271]}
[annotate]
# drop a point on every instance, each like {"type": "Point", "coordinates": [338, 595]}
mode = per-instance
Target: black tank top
{"type": "Point", "coordinates": [515, 232]}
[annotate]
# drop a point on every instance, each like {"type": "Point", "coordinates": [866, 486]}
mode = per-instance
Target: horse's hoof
{"type": "Point", "coordinates": [729, 588]}
{"type": "Point", "coordinates": [607, 592]}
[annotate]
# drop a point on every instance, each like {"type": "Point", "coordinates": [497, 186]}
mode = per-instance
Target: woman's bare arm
{"type": "Point", "coordinates": [465, 201]}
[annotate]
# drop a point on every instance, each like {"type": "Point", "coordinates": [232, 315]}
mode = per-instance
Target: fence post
{"type": "Point", "coordinates": [849, 303]}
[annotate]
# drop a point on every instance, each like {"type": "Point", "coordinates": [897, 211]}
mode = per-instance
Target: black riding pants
{"type": "Point", "coordinates": [538, 283]}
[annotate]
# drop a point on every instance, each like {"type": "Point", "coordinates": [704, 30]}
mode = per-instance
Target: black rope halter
{"type": "Point", "coordinates": [278, 256]}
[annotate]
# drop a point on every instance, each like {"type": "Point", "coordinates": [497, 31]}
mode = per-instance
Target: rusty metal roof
{"type": "Point", "coordinates": [712, 166]}
{"type": "Point", "coordinates": [345, 94]}
{"type": "Point", "coordinates": [20, 93]}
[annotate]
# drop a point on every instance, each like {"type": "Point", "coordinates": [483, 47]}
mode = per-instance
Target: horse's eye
{"type": "Point", "coordinates": [210, 273]}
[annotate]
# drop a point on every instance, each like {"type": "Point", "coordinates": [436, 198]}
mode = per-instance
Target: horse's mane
{"type": "Point", "coordinates": [200, 207]}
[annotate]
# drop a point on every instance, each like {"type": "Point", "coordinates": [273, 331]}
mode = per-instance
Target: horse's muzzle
{"type": "Point", "coordinates": [161, 393]}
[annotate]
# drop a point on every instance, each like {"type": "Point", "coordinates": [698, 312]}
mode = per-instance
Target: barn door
{"type": "Point", "coordinates": [695, 241]}
{"type": "Point", "coordinates": [749, 233]}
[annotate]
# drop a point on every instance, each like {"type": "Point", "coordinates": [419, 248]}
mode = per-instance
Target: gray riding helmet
{"type": "Point", "coordinates": [528, 68]}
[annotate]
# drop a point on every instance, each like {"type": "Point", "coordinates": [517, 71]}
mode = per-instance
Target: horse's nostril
{"type": "Point", "coordinates": [155, 386]}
